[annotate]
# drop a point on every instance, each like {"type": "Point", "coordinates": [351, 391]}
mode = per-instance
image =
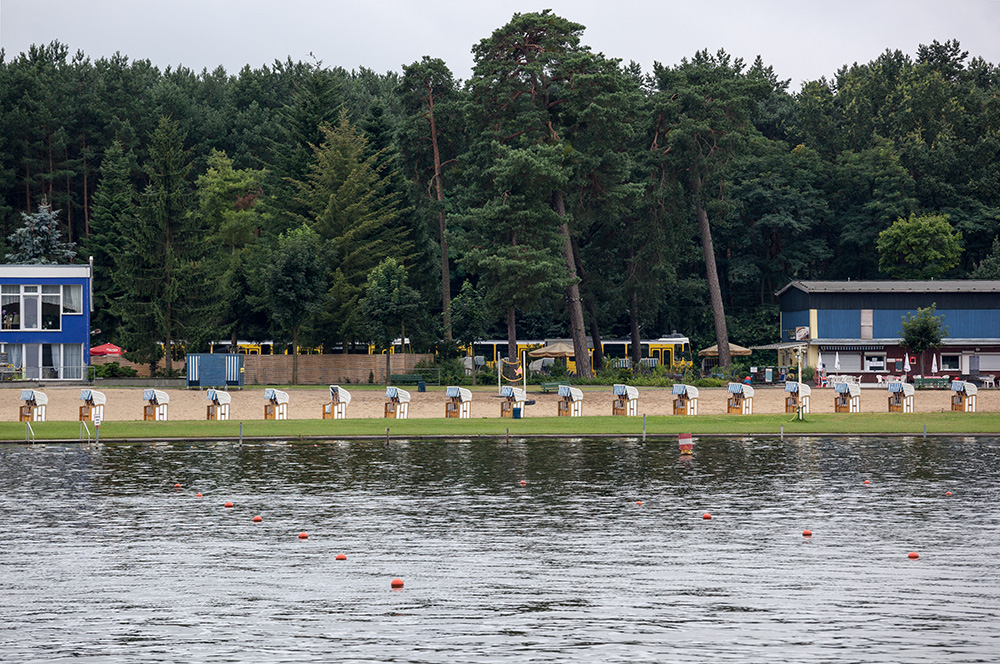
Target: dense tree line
{"type": "Point", "coordinates": [560, 191]}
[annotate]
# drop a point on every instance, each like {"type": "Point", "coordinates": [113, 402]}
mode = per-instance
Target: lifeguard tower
{"type": "Point", "coordinates": [570, 401]}
{"type": "Point", "coordinates": [513, 401]}
{"type": "Point", "coordinates": [798, 394]}
{"type": "Point", "coordinates": [92, 409]}
{"type": "Point", "coordinates": [626, 401]}
{"type": "Point", "coordinates": [276, 407]}
{"type": "Point", "coordinates": [156, 405]}
{"type": "Point", "coordinates": [336, 408]}
{"type": "Point", "coordinates": [900, 397]}
{"type": "Point", "coordinates": [218, 409]}
{"type": "Point", "coordinates": [963, 401]}
{"type": "Point", "coordinates": [397, 403]}
{"type": "Point", "coordinates": [33, 409]}
{"type": "Point", "coordinates": [459, 403]}
{"type": "Point", "coordinates": [740, 401]}
{"type": "Point", "coordinates": [848, 398]}
{"type": "Point", "coordinates": [685, 400]}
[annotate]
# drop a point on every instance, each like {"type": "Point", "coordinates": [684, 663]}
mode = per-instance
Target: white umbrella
{"type": "Point", "coordinates": [819, 361]}
{"type": "Point", "coordinates": [906, 363]}
{"type": "Point", "coordinates": [934, 365]}
{"type": "Point", "coordinates": [836, 361]}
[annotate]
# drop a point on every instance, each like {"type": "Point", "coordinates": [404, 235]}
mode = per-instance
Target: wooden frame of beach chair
{"type": "Point", "coordinates": [513, 397]}
{"type": "Point", "coordinates": [336, 408]}
{"type": "Point", "coordinates": [34, 407]}
{"type": "Point", "coordinates": [156, 408]}
{"type": "Point", "coordinates": [626, 401]}
{"type": "Point", "coordinates": [459, 403]}
{"type": "Point", "coordinates": [964, 399]}
{"type": "Point", "coordinates": [740, 401]}
{"type": "Point", "coordinates": [93, 405]}
{"type": "Point", "coordinates": [397, 404]}
{"type": "Point", "coordinates": [570, 401]}
{"type": "Point", "coordinates": [218, 409]}
{"type": "Point", "coordinates": [276, 407]}
{"type": "Point", "coordinates": [685, 399]}
{"type": "Point", "coordinates": [795, 395]}
{"type": "Point", "coordinates": [900, 397]}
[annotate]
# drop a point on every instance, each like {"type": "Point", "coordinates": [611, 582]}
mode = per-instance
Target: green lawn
{"type": "Point", "coordinates": [857, 423]}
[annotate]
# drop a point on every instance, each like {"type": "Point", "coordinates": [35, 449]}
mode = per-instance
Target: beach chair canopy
{"type": "Point", "coordinates": [219, 397]}
{"type": "Point", "coordinates": [626, 391]}
{"type": "Point", "coordinates": [340, 395]}
{"type": "Point", "coordinates": [39, 398]}
{"type": "Point", "coordinates": [514, 393]}
{"type": "Point", "coordinates": [690, 390]}
{"type": "Point", "coordinates": [571, 393]}
{"type": "Point", "coordinates": [853, 389]}
{"type": "Point", "coordinates": [400, 395]}
{"type": "Point", "coordinates": [960, 386]}
{"type": "Point", "coordinates": [159, 396]}
{"type": "Point", "coordinates": [740, 388]}
{"type": "Point", "coordinates": [277, 396]}
{"type": "Point", "coordinates": [94, 397]}
{"type": "Point", "coordinates": [899, 386]}
{"type": "Point", "coordinates": [462, 393]}
{"type": "Point", "coordinates": [792, 386]}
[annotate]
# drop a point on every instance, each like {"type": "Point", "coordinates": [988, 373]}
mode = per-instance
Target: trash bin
{"type": "Point", "coordinates": [517, 413]}
{"type": "Point", "coordinates": [421, 386]}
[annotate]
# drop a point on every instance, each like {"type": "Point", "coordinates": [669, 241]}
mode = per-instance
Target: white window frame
{"type": "Point", "coordinates": [866, 365]}
{"type": "Point", "coordinates": [37, 292]}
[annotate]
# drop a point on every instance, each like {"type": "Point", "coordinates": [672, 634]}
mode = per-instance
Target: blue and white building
{"type": "Point", "coordinates": [860, 324]}
{"type": "Point", "coordinates": [45, 321]}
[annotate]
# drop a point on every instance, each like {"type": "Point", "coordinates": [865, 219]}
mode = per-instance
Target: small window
{"type": "Point", "coordinates": [866, 323]}
{"type": "Point", "coordinates": [875, 362]}
{"type": "Point", "coordinates": [72, 299]}
{"type": "Point", "coordinates": [950, 362]}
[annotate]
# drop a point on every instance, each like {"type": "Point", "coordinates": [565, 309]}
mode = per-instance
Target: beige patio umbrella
{"type": "Point", "coordinates": [713, 350]}
{"type": "Point", "coordinates": [558, 349]}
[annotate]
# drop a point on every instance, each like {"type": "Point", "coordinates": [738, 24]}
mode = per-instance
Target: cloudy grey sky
{"type": "Point", "coordinates": [801, 39]}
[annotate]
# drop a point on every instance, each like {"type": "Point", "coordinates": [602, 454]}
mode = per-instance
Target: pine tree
{"type": "Point", "coordinates": [39, 241]}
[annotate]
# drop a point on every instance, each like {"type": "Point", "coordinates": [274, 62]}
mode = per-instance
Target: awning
{"type": "Point", "coordinates": [106, 349]}
{"type": "Point", "coordinates": [823, 347]}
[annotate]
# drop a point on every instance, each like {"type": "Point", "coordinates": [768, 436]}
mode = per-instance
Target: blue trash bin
{"type": "Point", "coordinates": [517, 413]}
{"type": "Point", "coordinates": [421, 386]}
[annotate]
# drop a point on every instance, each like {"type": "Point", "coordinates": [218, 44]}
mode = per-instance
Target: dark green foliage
{"type": "Point", "coordinates": [39, 241]}
{"type": "Point", "coordinates": [923, 331]}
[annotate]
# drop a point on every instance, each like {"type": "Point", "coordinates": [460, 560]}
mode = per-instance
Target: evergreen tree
{"type": "Point", "coordinates": [388, 304]}
{"type": "Point", "coordinates": [39, 241]}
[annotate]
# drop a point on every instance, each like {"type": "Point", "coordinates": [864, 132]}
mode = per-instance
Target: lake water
{"type": "Point", "coordinates": [103, 560]}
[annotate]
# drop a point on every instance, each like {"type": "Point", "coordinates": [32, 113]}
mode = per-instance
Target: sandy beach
{"type": "Point", "coordinates": [124, 404]}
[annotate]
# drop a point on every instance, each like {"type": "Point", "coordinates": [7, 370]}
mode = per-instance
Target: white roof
{"type": "Point", "coordinates": [626, 391]}
{"type": "Point", "coordinates": [899, 386]}
{"type": "Point", "coordinates": [399, 394]}
{"type": "Point", "coordinates": [571, 393]}
{"type": "Point", "coordinates": [39, 398]}
{"type": "Point", "coordinates": [461, 393]}
{"type": "Point", "coordinates": [219, 396]}
{"type": "Point", "coordinates": [963, 386]}
{"type": "Point", "coordinates": [159, 396]}
{"type": "Point", "coordinates": [95, 397]}
{"type": "Point", "coordinates": [340, 395]}
{"type": "Point", "coordinates": [853, 389]}
{"type": "Point", "coordinates": [514, 393]}
{"type": "Point", "coordinates": [277, 396]}
{"type": "Point", "coordinates": [44, 271]}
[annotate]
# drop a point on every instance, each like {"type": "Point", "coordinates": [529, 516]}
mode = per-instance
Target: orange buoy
{"type": "Point", "coordinates": [914, 555]}
{"type": "Point", "coordinates": [638, 502]}
{"type": "Point", "coordinates": [177, 486]}
{"type": "Point", "coordinates": [524, 483]}
{"type": "Point", "coordinates": [197, 495]}
{"type": "Point", "coordinates": [228, 504]}
{"type": "Point", "coordinates": [303, 535]}
{"type": "Point", "coordinates": [868, 482]}
{"type": "Point", "coordinates": [807, 533]}
{"type": "Point", "coordinates": [341, 556]}
{"type": "Point", "coordinates": [396, 583]}
{"type": "Point", "coordinates": [706, 516]}
{"type": "Point", "coordinates": [258, 519]}
{"type": "Point", "coordinates": [947, 493]}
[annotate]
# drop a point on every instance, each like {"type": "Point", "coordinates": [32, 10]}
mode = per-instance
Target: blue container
{"type": "Point", "coordinates": [214, 370]}
{"type": "Point", "coordinates": [421, 386]}
{"type": "Point", "coordinates": [517, 413]}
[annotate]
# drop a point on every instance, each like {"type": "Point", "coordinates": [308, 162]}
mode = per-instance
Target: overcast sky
{"type": "Point", "coordinates": [802, 40]}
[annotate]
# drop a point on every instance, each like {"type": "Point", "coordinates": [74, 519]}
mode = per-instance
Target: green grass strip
{"type": "Point", "coordinates": [855, 423]}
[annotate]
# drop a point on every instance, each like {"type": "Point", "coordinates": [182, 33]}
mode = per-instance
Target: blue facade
{"type": "Point", "coordinates": [888, 323]}
{"type": "Point", "coordinates": [214, 370]}
{"type": "Point", "coordinates": [45, 321]}
{"type": "Point", "coordinates": [791, 320]}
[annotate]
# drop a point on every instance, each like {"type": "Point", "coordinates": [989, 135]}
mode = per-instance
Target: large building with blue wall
{"type": "Point", "coordinates": [45, 321]}
{"type": "Point", "coordinates": [861, 322]}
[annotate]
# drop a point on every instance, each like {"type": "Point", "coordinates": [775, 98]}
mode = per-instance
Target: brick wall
{"type": "Point", "coordinates": [325, 369]}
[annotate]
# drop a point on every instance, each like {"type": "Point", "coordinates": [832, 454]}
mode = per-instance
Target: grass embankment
{"type": "Point", "coordinates": [856, 423]}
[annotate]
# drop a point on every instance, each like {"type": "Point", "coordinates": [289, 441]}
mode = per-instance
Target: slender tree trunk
{"type": "Point", "coordinates": [573, 295]}
{"type": "Point", "coordinates": [595, 330]}
{"type": "Point", "coordinates": [86, 200]}
{"type": "Point", "coordinates": [295, 355]}
{"type": "Point", "coordinates": [166, 345]}
{"type": "Point", "coordinates": [714, 289]}
{"type": "Point", "coordinates": [442, 223]}
{"type": "Point", "coordinates": [388, 364]}
{"type": "Point", "coordinates": [511, 335]}
{"type": "Point", "coordinates": [635, 349]}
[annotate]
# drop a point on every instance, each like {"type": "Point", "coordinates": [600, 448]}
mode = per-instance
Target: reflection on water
{"type": "Point", "coordinates": [102, 559]}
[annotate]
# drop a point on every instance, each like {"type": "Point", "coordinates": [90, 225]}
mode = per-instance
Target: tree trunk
{"type": "Point", "coordinates": [442, 224]}
{"type": "Point", "coordinates": [86, 193]}
{"type": "Point", "coordinates": [295, 355]}
{"type": "Point", "coordinates": [511, 335]}
{"type": "Point", "coordinates": [573, 303]}
{"type": "Point", "coordinates": [388, 365]}
{"type": "Point", "coordinates": [635, 349]}
{"type": "Point", "coordinates": [168, 342]}
{"type": "Point", "coordinates": [595, 336]}
{"type": "Point", "coordinates": [714, 289]}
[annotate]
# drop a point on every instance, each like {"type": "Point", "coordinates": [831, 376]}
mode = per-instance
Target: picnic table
{"type": "Point", "coordinates": [932, 382]}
